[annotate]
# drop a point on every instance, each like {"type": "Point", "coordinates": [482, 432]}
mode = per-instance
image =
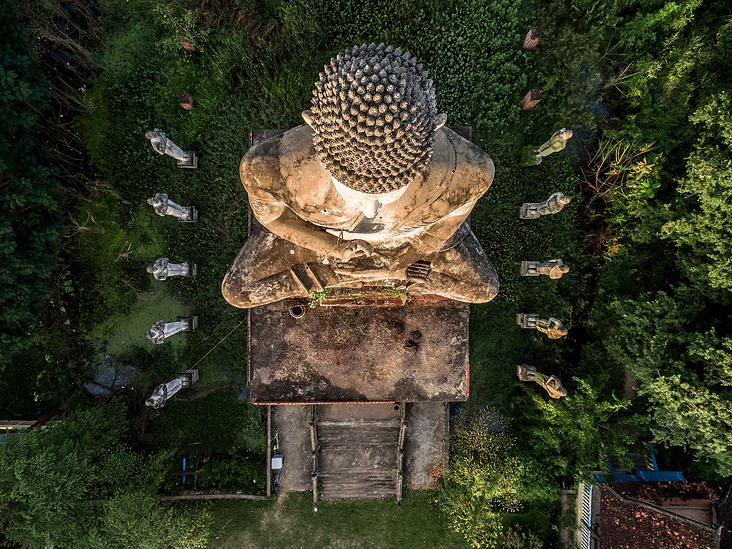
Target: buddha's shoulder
{"type": "Point", "coordinates": [264, 164]}
{"type": "Point", "coordinates": [473, 167]}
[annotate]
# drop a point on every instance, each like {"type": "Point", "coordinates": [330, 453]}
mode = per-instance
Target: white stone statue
{"type": "Point", "coordinates": [163, 268]}
{"type": "Point", "coordinates": [163, 392]}
{"type": "Point", "coordinates": [554, 268]}
{"type": "Point", "coordinates": [161, 330]}
{"type": "Point", "coordinates": [163, 145]}
{"type": "Point", "coordinates": [164, 206]}
{"type": "Point", "coordinates": [554, 204]}
{"type": "Point", "coordinates": [551, 326]}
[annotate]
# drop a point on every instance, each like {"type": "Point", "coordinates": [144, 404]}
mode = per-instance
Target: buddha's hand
{"type": "Point", "coordinates": [349, 249]}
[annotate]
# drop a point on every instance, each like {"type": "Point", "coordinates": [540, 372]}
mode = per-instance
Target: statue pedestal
{"type": "Point", "coordinates": [192, 218]}
{"type": "Point", "coordinates": [192, 164]}
{"type": "Point", "coordinates": [416, 352]}
{"type": "Point", "coordinates": [188, 377]}
{"type": "Point", "coordinates": [364, 347]}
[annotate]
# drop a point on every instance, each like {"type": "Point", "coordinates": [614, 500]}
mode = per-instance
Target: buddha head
{"type": "Point", "coordinates": [374, 118]}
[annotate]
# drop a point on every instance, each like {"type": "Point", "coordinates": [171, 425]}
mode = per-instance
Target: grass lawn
{"type": "Point", "coordinates": [289, 522]}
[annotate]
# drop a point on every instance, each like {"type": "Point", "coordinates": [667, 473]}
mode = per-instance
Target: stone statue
{"type": "Point", "coordinates": [554, 204]}
{"type": "Point", "coordinates": [161, 330]}
{"type": "Point", "coordinates": [164, 206]}
{"type": "Point", "coordinates": [164, 391]}
{"type": "Point", "coordinates": [551, 384]}
{"type": "Point", "coordinates": [554, 268]}
{"type": "Point", "coordinates": [532, 38]}
{"type": "Point", "coordinates": [552, 327]}
{"type": "Point", "coordinates": [162, 269]}
{"type": "Point", "coordinates": [163, 145]}
{"type": "Point", "coordinates": [372, 190]}
{"type": "Point", "coordinates": [556, 143]}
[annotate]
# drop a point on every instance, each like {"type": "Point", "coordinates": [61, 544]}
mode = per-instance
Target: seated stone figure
{"type": "Point", "coordinates": [372, 191]}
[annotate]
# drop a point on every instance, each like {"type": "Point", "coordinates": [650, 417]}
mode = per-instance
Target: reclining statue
{"type": "Point", "coordinates": [551, 384]}
{"type": "Point", "coordinates": [371, 191]}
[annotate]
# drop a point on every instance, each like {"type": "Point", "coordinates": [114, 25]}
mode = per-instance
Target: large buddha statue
{"type": "Point", "coordinates": [372, 190]}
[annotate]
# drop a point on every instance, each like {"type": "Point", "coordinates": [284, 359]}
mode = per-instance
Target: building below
{"type": "Point", "coordinates": [655, 515]}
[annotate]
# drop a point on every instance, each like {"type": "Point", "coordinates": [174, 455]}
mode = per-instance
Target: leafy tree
{"type": "Point", "coordinates": [138, 520]}
{"type": "Point", "coordinates": [573, 435]}
{"type": "Point", "coordinates": [485, 477]}
{"type": "Point", "coordinates": [53, 483]}
{"type": "Point", "coordinates": [684, 369]}
{"type": "Point", "coordinates": [30, 227]}
{"type": "Point", "coordinates": [702, 230]}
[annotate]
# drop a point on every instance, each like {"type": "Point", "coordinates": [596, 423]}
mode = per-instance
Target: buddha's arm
{"type": "Point", "coordinates": [431, 238]}
{"type": "Point", "coordinates": [293, 228]}
{"type": "Point", "coordinates": [260, 174]}
{"type": "Point", "coordinates": [476, 175]}
{"type": "Point", "coordinates": [282, 221]}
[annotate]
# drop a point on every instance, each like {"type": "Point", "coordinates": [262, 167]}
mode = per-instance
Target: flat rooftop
{"type": "Point", "coordinates": [415, 352]}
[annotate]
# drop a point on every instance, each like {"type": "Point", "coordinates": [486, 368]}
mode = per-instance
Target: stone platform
{"type": "Point", "coordinates": [417, 352]}
{"type": "Point", "coordinates": [396, 352]}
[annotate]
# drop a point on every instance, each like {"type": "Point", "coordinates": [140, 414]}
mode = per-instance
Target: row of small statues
{"type": "Point", "coordinates": [162, 268]}
{"type": "Point", "coordinates": [554, 268]}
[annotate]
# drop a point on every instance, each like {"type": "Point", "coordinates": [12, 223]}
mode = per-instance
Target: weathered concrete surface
{"type": "Point", "coordinates": [418, 352]}
{"type": "Point", "coordinates": [425, 444]}
{"type": "Point", "coordinates": [291, 423]}
{"type": "Point", "coordinates": [358, 447]}
{"type": "Point", "coordinates": [357, 455]}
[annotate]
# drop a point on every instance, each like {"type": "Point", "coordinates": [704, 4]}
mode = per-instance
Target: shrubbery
{"type": "Point", "coordinates": [30, 214]}
{"type": "Point", "coordinates": [486, 477]}
{"type": "Point", "coordinates": [72, 485]}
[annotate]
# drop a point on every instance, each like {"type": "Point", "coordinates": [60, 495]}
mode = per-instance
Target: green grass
{"type": "Point", "coordinates": [122, 331]}
{"type": "Point", "coordinates": [289, 522]}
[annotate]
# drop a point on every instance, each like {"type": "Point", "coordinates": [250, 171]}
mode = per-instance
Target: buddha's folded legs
{"type": "Point", "coordinates": [462, 273]}
{"type": "Point", "coordinates": [269, 269]}
{"type": "Point", "coordinates": [261, 273]}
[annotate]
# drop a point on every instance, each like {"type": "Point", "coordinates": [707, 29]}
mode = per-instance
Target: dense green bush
{"type": "Point", "coordinates": [30, 215]}
{"type": "Point", "coordinates": [572, 437]}
{"type": "Point", "coordinates": [53, 482]}
{"type": "Point", "coordinates": [486, 477]}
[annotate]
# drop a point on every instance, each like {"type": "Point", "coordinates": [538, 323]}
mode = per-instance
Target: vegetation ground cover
{"type": "Point", "coordinates": [646, 238]}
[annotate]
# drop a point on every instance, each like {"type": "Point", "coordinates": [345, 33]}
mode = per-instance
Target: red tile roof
{"type": "Point", "coordinates": [631, 516]}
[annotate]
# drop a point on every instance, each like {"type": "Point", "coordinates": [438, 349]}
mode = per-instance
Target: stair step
{"type": "Point", "coordinates": [360, 423]}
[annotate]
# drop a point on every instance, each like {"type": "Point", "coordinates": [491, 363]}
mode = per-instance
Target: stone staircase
{"type": "Point", "coordinates": [358, 457]}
